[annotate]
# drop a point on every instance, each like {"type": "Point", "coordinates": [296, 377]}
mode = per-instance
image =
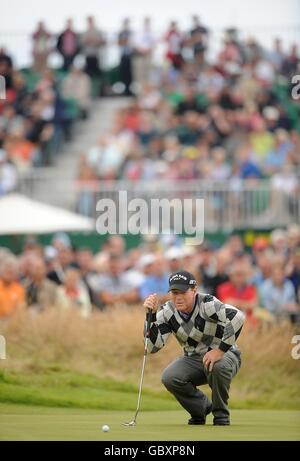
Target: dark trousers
{"type": "Point", "coordinates": [126, 73]}
{"type": "Point", "coordinates": [182, 377]}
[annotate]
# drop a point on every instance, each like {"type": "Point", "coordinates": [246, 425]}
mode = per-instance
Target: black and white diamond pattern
{"type": "Point", "coordinates": [212, 324]}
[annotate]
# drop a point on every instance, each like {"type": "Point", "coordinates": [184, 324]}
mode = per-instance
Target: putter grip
{"type": "Point", "coordinates": [149, 318]}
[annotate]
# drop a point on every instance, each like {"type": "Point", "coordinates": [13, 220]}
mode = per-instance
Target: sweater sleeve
{"type": "Point", "coordinates": [160, 331]}
{"type": "Point", "coordinates": [232, 318]}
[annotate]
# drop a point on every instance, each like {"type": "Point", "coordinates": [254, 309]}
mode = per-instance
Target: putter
{"type": "Point", "coordinates": [133, 422]}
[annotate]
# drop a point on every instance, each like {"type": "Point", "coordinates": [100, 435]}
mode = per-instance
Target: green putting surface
{"type": "Point", "coordinates": [21, 422]}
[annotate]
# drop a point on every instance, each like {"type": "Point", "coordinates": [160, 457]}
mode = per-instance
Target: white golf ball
{"type": "Point", "coordinates": [105, 428]}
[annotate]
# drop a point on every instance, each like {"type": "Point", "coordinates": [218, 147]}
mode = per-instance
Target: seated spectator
{"type": "Point", "coordinates": [12, 295]}
{"type": "Point", "coordinates": [64, 259]}
{"type": "Point", "coordinates": [173, 257]}
{"type": "Point", "coordinates": [41, 293]}
{"type": "Point", "coordinates": [293, 272]}
{"type": "Point", "coordinates": [239, 292]}
{"type": "Point", "coordinates": [156, 281]}
{"type": "Point", "coordinates": [77, 86]}
{"type": "Point", "coordinates": [277, 295]}
{"type": "Point", "coordinates": [112, 287]}
{"type": "Point", "coordinates": [263, 264]}
{"type": "Point", "coordinates": [20, 150]}
{"type": "Point", "coordinates": [8, 174]}
{"type": "Point", "coordinates": [215, 273]}
{"type": "Point", "coordinates": [75, 293]}
{"type": "Point", "coordinates": [84, 259]}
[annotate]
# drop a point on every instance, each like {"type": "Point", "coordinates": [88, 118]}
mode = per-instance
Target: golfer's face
{"type": "Point", "coordinates": [183, 300]}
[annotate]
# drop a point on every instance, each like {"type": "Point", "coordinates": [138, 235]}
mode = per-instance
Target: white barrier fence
{"type": "Point", "coordinates": [228, 205]}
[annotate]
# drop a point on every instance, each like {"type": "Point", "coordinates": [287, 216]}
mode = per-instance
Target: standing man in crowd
{"type": "Point", "coordinates": [125, 38]}
{"type": "Point", "coordinates": [207, 330]}
{"type": "Point", "coordinates": [92, 41]}
{"type": "Point", "coordinates": [68, 45]}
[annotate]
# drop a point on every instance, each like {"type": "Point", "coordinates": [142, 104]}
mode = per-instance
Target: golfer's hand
{"type": "Point", "coordinates": [211, 357]}
{"type": "Point", "coordinates": [151, 302]}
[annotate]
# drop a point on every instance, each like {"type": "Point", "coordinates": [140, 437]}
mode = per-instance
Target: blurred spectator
{"type": "Point", "coordinates": [263, 268]}
{"type": "Point", "coordinates": [8, 174]}
{"type": "Point", "coordinates": [239, 292]}
{"type": "Point", "coordinates": [6, 68]}
{"type": "Point", "coordinates": [75, 294]}
{"type": "Point", "coordinates": [174, 39]}
{"type": "Point", "coordinates": [84, 259]}
{"type": "Point", "coordinates": [41, 293]}
{"type": "Point", "coordinates": [12, 296]}
{"type": "Point", "coordinates": [198, 36]}
{"type": "Point", "coordinates": [68, 45]}
{"type": "Point", "coordinates": [216, 273]}
{"type": "Point", "coordinates": [277, 295]}
{"type": "Point", "coordinates": [77, 86]}
{"type": "Point", "coordinates": [41, 47]}
{"type": "Point", "coordinates": [64, 260]}
{"type": "Point", "coordinates": [144, 46]}
{"type": "Point", "coordinates": [113, 287]}
{"type": "Point", "coordinates": [156, 281]}
{"type": "Point", "coordinates": [293, 271]}
{"type": "Point", "coordinates": [92, 41]}
{"type": "Point", "coordinates": [125, 42]}
{"type": "Point", "coordinates": [173, 257]}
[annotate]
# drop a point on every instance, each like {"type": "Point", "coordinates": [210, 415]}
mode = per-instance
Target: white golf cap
{"type": "Point", "coordinates": [146, 259]}
{"type": "Point", "coordinates": [188, 251]}
{"type": "Point", "coordinates": [174, 253]}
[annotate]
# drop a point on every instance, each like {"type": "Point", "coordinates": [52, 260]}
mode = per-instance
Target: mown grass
{"type": "Point", "coordinates": [59, 359]}
{"type": "Point", "coordinates": [19, 422]}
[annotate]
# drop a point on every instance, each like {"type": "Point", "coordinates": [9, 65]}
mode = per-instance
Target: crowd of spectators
{"type": "Point", "coordinates": [264, 282]}
{"type": "Point", "coordinates": [228, 119]}
{"type": "Point", "coordinates": [230, 116]}
{"type": "Point", "coordinates": [42, 104]}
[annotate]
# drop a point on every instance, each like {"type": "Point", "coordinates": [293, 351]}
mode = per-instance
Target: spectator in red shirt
{"type": "Point", "coordinates": [239, 292]}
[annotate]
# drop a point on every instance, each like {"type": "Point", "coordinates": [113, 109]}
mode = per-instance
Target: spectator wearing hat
{"type": "Point", "coordinates": [173, 258]}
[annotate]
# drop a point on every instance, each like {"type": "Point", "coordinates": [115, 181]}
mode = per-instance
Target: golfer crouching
{"type": "Point", "coordinates": [207, 330]}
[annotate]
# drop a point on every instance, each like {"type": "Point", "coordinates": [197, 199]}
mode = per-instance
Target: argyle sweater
{"type": "Point", "coordinates": [210, 325]}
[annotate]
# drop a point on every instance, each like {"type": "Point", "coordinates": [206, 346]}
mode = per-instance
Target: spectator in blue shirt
{"type": "Point", "coordinates": [278, 295]}
{"type": "Point", "coordinates": [156, 281]}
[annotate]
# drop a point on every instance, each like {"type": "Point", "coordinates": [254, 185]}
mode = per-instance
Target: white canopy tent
{"type": "Point", "coordinates": [21, 215]}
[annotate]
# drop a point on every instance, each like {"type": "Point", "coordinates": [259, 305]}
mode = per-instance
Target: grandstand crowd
{"type": "Point", "coordinates": [230, 119]}
{"type": "Point", "coordinates": [263, 281]}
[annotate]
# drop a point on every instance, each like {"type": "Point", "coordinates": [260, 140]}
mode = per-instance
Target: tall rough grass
{"type": "Point", "coordinates": [110, 345]}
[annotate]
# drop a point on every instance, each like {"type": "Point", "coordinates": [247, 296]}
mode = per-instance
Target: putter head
{"type": "Point", "coordinates": [131, 424]}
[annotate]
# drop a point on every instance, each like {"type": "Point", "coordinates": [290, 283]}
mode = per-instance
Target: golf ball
{"type": "Point", "coordinates": [105, 428]}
